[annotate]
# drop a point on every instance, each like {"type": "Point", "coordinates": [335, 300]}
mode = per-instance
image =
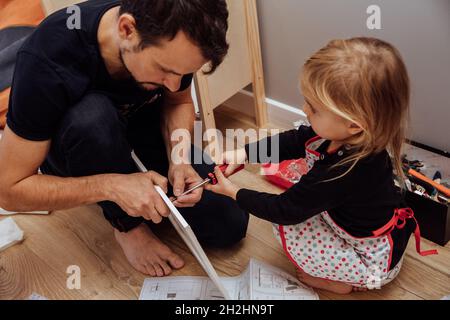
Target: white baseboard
{"type": "Point", "coordinates": [279, 114]}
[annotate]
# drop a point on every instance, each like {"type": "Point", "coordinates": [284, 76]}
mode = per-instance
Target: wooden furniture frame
{"type": "Point", "coordinates": [242, 66]}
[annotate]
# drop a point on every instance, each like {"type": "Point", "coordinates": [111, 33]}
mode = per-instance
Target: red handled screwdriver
{"type": "Point", "coordinates": [211, 179]}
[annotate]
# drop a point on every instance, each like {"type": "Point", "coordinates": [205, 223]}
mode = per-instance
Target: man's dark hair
{"type": "Point", "coordinates": [205, 22]}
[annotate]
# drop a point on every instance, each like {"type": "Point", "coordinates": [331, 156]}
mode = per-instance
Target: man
{"type": "Point", "coordinates": [82, 99]}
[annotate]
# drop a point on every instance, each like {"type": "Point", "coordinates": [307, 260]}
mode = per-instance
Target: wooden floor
{"type": "Point", "coordinates": [82, 237]}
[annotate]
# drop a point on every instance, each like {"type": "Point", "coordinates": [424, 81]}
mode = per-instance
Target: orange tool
{"type": "Point", "coordinates": [438, 186]}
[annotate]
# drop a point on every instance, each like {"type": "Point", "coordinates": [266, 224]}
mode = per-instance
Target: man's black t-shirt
{"type": "Point", "coordinates": [57, 66]}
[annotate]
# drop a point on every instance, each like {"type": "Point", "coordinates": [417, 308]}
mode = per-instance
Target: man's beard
{"type": "Point", "coordinates": [129, 75]}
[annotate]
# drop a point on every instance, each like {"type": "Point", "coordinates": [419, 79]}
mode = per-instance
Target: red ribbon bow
{"type": "Point", "coordinates": [399, 221]}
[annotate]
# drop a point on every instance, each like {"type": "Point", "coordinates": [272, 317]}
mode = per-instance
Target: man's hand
{"type": "Point", "coordinates": [223, 186]}
{"type": "Point", "coordinates": [136, 195]}
{"type": "Point", "coordinates": [182, 177]}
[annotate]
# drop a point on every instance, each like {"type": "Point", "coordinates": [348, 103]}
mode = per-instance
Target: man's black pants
{"type": "Point", "coordinates": [94, 138]}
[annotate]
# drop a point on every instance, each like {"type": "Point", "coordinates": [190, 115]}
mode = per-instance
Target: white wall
{"type": "Point", "coordinates": [291, 30]}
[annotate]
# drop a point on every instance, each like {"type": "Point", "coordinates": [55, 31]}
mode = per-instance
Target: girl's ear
{"type": "Point", "coordinates": [353, 128]}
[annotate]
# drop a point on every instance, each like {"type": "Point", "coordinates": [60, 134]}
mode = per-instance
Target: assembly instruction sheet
{"type": "Point", "coordinates": [259, 281]}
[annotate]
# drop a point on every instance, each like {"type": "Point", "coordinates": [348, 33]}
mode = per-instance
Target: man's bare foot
{"type": "Point", "coordinates": [147, 253]}
{"type": "Point", "coordinates": [319, 283]}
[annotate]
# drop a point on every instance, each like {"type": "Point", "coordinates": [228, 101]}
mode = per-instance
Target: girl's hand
{"type": "Point", "coordinates": [234, 159]}
{"type": "Point", "coordinates": [223, 186]}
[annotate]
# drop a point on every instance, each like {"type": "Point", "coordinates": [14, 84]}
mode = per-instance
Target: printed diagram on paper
{"type": "Point", "coordinates": [258, 282]}
{"type": "Point", "coordinates": [270, 283]}
{"type": "Point", "coordinates": [180, 288]}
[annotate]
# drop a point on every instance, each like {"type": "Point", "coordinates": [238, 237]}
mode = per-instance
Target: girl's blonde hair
{"type": "Point", "coordinates": [365, 81]}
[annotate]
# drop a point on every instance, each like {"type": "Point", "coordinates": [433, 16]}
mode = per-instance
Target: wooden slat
{"type": "Point", "coordinates": [204, 101]}
{"type": "Point", "coordinates": [256, 62]}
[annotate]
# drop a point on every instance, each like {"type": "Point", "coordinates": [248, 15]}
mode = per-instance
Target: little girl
{"type": "Point", "coordinates": [342, 225]}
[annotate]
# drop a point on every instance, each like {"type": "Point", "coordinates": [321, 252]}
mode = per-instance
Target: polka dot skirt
{"type": "Point", "coordinates": [322, 249]}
